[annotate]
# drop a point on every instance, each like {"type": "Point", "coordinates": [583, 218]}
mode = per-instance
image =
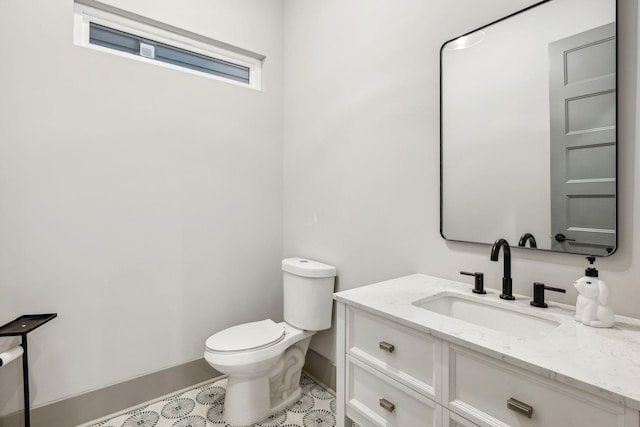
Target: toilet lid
{"type": "Point", "coordinates": [248, 336]}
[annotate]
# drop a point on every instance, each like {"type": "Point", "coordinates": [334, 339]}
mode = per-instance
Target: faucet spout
{"type": "Point", "coordinates": [527, 237]}
{"type": "Point", "coordinates": [507, 286]}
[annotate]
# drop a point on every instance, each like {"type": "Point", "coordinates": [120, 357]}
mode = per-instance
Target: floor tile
{"type": "Point", "coordinates": [202, 407]}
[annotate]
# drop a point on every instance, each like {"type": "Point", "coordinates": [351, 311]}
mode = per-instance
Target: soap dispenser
{"type": "Point", "coordinates": [591, 306]}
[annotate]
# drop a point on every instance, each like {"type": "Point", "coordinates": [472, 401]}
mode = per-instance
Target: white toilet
{"type": "Point", "coordinates": [263, 360]}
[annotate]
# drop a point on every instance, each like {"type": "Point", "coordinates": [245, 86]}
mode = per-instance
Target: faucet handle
{"type": "Point", "coordinates": [478, 283]}
{"type": "Point", "coordinates": [538, 294]}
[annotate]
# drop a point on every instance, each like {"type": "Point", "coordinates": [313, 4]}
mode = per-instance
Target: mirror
{"type": "Point", "coordinates": [528, 130]}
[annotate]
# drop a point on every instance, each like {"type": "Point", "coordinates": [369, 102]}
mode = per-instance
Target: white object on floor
{"type": "Point", "coordinates": [264, 360]}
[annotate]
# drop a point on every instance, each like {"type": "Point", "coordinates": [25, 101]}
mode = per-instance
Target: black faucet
{"type": "Point", "coordinates": [478, 282]}
{"type": "Point", "coordinates": [538, 294]}
{"type": "Point", "coordinates": [506, 279]}
{"type": "Point", "coordinates": [527, 237]}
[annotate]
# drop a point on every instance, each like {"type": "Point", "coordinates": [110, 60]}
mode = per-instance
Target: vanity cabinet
{"type": "Point", "coordinates": [451, 419]}
{"type": "Point", "coordinates": [486, 390]}
{"type": "Point", "coordinates": [377, 400]}
{"type": "Point", "coordinates": [392, 375]}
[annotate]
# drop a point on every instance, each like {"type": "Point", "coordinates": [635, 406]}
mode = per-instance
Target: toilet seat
{"type": "Point", "coordinates": [251, 336]}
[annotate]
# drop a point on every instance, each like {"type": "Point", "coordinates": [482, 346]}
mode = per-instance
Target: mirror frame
{"type": "Point", "coordinates": [442, 48]}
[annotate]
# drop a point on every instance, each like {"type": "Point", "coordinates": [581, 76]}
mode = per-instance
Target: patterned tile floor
{"type": "Point", "coordinates": [202, 407]}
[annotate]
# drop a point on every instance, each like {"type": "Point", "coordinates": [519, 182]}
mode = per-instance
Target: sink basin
{"type": "Point", "coordinates": [489, 315]}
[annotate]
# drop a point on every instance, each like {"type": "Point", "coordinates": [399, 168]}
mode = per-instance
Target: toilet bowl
{"type": "Point", "coordinates": [263, 360]}
{"type": "Point", "coordinates": [258, 383]}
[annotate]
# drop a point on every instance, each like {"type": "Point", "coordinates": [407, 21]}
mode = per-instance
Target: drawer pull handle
{"type": "Point", "coordinates": [386, 405]}
{"type": "Point", "coordinates": [519, 407]}
{"type": "Point", "coordinates": [386, 346]}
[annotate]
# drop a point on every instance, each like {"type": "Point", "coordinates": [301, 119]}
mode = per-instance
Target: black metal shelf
{"type": "Point", "coordinates": [21, 326]}
{"type": "Point", "coordinates": [25, 324]}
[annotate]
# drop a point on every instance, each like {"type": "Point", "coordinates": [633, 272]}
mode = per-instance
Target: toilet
{"type": "Point", "coordinates": [263, 360]}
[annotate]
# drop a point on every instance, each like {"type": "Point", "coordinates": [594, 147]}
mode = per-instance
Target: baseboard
{"type": "Point", "coordinates": [320, 368]}
{"type": "Point", "coordinates": [108, 400]}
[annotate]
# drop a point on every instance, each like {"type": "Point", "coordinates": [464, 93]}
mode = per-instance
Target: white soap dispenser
{"type": "Point", "coordinates": [591, 306]}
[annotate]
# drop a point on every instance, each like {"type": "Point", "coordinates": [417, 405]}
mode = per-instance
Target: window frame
{"type": "Point", "coordinates": [85, 14]}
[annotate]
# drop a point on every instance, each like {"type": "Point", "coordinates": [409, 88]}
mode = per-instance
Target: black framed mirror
{"type": "Point", "coordinates": [528, 130]}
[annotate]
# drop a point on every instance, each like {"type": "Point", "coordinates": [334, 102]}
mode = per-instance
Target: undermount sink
{"type": "Point", "coordinates": [489, 315]}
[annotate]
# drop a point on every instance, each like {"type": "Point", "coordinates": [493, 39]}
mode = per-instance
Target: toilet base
{"type": "Point", "coordinates": [244, 401]}
{"type": "Point", "coordinates": [249, 400]}
{"type": "Point", "coordinates": [293, 396]}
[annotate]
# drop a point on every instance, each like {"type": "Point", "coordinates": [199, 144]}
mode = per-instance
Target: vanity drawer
{"type": "Point", "coordinates": [478, 388]}
{"type": "Point", "coordinates": [373, 399]}
{"type": "Point", "coordinates": [451, 419]}
{"type": "Point", "coordinates": [406, 355]}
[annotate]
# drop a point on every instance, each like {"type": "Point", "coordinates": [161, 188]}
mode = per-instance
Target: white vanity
{"type": "Point", "coordinates": [423, 351]}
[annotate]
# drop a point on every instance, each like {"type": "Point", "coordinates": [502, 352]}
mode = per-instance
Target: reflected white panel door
{"type": "Point", "coordinates": [582, 96]}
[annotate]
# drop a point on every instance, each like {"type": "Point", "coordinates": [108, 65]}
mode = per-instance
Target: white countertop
{"type": "Point", "coordinates": [602, 361]}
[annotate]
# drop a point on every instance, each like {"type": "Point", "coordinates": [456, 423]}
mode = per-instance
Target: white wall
{"type": "Point", "coordinates": [142, 204]}
{"type": "Point", "coordinates": [361, 148]}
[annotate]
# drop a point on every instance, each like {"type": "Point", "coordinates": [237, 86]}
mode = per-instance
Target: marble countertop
{"type": "Point", "coordinates": [601, 361]}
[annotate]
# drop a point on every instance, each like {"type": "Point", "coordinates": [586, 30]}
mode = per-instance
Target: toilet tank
{"type": "Point", "coordinates": [308, 293]}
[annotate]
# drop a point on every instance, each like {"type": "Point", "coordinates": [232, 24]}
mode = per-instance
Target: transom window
{"type": "Point", "coordinates": [123, 33]}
